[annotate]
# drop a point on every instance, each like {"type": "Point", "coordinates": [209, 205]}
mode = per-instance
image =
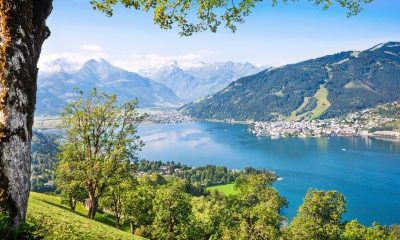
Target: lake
{"type": "Point", "coordinates": [365, 170]}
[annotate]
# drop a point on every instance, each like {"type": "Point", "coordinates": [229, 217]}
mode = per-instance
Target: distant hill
{"type": "Point", "coordinates": [202, 80]}
{"type": "Point", "coordinates": [325, 87]}
{"type": "Point", "coordinates": [55, 89]}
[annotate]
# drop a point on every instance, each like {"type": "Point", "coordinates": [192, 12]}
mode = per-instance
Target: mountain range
{"type": "Point", "coordinates": [202, 80]}
{"type": "Point", "coordinates": [56, 89]}
{"type": "Point", "coordinates": [324, 87]}
{"type": "Point", "coordinates": [166, 86]}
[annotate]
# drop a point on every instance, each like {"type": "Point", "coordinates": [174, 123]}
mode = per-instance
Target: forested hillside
{"type": "Point", "coordinates": [44, 158]}
{"type": "Point", "coordinates": [325, 87]}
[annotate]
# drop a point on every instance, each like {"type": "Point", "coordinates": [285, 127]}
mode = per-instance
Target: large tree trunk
{"type": "Point", "coordinates": [22, 33]}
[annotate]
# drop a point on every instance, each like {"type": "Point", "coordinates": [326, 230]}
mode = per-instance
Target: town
{"type": "Point", "coordinates": [369, 122]}
{"type": "Point", "coordinates": [166, 117]}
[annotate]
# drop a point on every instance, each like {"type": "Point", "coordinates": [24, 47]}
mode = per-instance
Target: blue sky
{"type": "Point", "coordinates": [271, 36]}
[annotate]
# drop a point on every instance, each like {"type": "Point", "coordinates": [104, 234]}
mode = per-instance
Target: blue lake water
{"type": "Point", "coordinates": [365, 170]}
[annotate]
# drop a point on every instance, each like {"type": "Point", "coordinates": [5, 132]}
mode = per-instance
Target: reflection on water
{"type": "Point", "coordinates": [322, 143]}
{"type": "Point", "coordinates": [367, 172]}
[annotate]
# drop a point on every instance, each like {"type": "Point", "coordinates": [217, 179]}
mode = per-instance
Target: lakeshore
{"type": "Point", "coordinates": [152, 116]}
{"type": "Point", "coordinates": [367, 123]}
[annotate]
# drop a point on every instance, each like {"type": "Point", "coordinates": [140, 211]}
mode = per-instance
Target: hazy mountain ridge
{"type": "Point", "coordinates": [202, 80]}
{"type": "Point", "coordinates": [55, 89]}
{"type": "Point", "coordinates": [351, 81]}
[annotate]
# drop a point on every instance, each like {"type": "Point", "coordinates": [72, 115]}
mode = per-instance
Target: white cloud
{"type": "Point", "coordinates": [91, 47]}
{"type": "Point", "coordinates": [48, 62]}
{"type": "Point", "coordinates": [71, 61]}
{"type": "Point", "coordinates": [149, 61]}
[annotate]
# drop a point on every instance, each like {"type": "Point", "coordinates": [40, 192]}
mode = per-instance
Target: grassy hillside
{"type": "Point", "coordinates": [56, 221]}
{"type": "Point", "coordinates": [322, 102]}
{"type": "Point", "coordinates": [295, 113]}
{"type": "Point", "coordinates": [227, 189]}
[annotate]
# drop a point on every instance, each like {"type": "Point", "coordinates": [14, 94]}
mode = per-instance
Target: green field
{"type": "Point", "coordinates": [227, 189]}
{"type": "Point", "coordinates": [322, 102]}
{"type": "Point", "coordinates": [56, 221]}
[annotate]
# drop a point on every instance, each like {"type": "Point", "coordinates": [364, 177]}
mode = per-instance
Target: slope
{"type": "Point", "coordinates": [55, 221]}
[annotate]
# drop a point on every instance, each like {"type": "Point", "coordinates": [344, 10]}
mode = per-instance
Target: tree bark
{"type": "Point", "coordinates": [117, 221]}
{"type": "Point", "coordinates": [93, 205]}
{"type": "Point", "coordinates": [72, 203]}
{"type": "Point", "coordinates": [22, 32]}
{"type": "Point", "coordinates": [132, 228]}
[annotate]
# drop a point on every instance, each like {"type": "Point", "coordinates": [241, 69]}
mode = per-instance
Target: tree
{"type": "Point", "coordinates": [319, 217]}
{"type": "Point", "coordinates": [354, 231]}
{"type": "Point", "coordinates": [208, 216]}
{"type": "Point", "coordinates": [172, 210]}
{"type": "Point", "coordinates": [377, 232]}
{"type": "Point", "coordinates": [255, 210]}
{"type": "Point", "coordinates": [394, 232]}
{"type": "Point", "coordinates": [138, 207]}
{"type": "Point", "coordinates": [22, 33]}
{"type": "Point", "coordinates": [72, 190]}
{"type": "Point", "coordinates": [100, 142]}
{"type": "Point", "coordinates": [114, 198]}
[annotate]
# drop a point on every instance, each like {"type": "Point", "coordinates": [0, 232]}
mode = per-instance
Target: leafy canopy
{"type": "Point", "coordinates": [209, 14]}
{"type": "Point", "coordinates": [255, 211]}
{"type": "Point", "coordinates": [99, 144]}
{"type": "Point", "coordinates": [319, 217]}
{"type": "Point", "coordinates": [172, 209]}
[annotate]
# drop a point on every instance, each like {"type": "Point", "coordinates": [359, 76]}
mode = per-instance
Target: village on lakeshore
{"type": "Point", "coordinates": [369, 122]}
{"type": "Point", "coordinates": [166, 117]}
{"type": "Point", "coordinates": [372, 122]}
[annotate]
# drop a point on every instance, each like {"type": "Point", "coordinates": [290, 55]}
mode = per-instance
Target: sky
{"type": "Point", "coordinates": [271, 36]}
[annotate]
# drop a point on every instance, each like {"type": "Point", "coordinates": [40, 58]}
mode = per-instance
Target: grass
{"type": "Point", "coordinates": [53, 220]}
{"type": "Point", "coordinates": [293, 115]}
{"type": "Point", "coordinates": [322, 102]}
{"type": "Point", "coordinates": [227, 189]}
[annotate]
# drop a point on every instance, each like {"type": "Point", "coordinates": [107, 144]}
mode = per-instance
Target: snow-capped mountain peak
{"type": "Point", "coordinates": [201, 79]}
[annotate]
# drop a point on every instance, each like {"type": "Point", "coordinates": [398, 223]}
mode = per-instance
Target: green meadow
{"type": "Point", "coordinates": [53, 220]}
{"type": "Point", "coordinates": [227, 189]}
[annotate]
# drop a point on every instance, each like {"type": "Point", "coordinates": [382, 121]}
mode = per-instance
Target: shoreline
{"type": "Point", "coordinates": [49, 123]}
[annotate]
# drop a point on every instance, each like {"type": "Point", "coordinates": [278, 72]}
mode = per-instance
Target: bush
{"type": "Point", "coordinates": [8, 232]}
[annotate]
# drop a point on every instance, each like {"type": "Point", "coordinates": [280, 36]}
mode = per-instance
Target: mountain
{"type": "Point", "coordinates": [325, 87]}
{"type": "Point", "coordinates": [55, 89]}
{"type": "Point", "coordinates": [202, 80]}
